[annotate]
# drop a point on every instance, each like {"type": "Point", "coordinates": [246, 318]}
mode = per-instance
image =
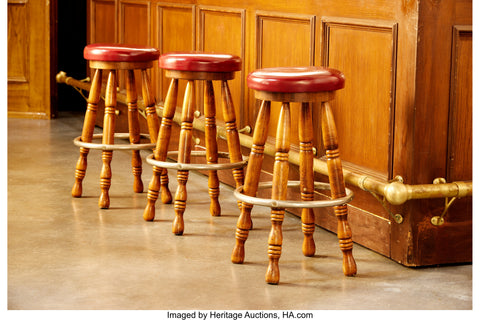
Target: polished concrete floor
{"type": "Point", "coordinates": [65, 253]}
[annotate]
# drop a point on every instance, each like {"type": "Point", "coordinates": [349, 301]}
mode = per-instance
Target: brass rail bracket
{"type": "Point", "coordinates": [439, 220]}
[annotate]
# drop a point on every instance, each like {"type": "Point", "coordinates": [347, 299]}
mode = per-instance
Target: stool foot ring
{"type": "Point", "coordinates": [290, 203]}
{"type": "Point", "coordinates": [196, 166]}
{"type": "Point", "coordinates": [100, 146]}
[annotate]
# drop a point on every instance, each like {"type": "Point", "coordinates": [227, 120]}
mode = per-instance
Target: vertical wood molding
{"type": "Point", "coordinates": [282, 39]}
{"type": "Point", "coordinates": [93, 19]}
{"type": "Point", "coordinates": [261, 16]}
{"type": "Point", "coordinates": [202, 14]}
{"type": "Point", "coordinates": [380, 26]}
{"type": "Point", "coordinates": [459, 160]}
{"type": "Point", "coordinates": [29, 59]}
{"type": "Point", "coordinates": [121, 7]}
{"type": "Point", "coordinates": [161, 9]}
{"type": "Point", "coordinates": [18, 39]}
{"type": "Point", "coordinates": [202, 10]}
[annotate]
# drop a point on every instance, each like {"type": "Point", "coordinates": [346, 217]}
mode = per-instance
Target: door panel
{"type": "Point", "coordinates": [29, 59]}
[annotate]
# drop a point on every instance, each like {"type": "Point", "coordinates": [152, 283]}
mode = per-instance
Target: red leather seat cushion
{"type": "Point", "coordinates": [296, 79]}
{"type": "Point", "coordinates": [200, 61]}
{"type": "Point", "coordinates": [120, 52]}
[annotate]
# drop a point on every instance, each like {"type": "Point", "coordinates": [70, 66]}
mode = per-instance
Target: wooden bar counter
{"type": "Point", "coordinates": [406, 110]}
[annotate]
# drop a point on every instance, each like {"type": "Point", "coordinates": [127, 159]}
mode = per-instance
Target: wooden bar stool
{"type": "Point", "coordinates": [305, 85]}
{"type": "Point", "coordinates": [194, 66]}
{"type": "Point", "coordinates": [113, 57]}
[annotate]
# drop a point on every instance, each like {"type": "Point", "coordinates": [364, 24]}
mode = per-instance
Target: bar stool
{"type": "Point", "coordinates": [113, 57]}
{"type": "Point", "coordinates": [194, 66]}
{"type": "Point", "coordinates": [306, 85]}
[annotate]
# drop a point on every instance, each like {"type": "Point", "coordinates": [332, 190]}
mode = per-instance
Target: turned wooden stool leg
{"type": "Point", "coordinates": [150, 110]}
{"type": "Point", "coordinates": [305, 134]}
{"type": "Point", "coordinates": [87, 132]}
{"type": "Point", "coordinates": [134, 130]}
{"type": "Point", "coordinates": [337, 185]}
{"type": "Point", "coordinates": [212, 148]}
{"type": "Point", "coordinates": [153, 130]}
{"type": "Point", "coordinates": [160, 152]}
{"type": "Point", "coordinates": [184, 151]}
{"type": "Point", "coordinates": [252, 178]}
{"type": "Point", "coordinates": [108, 138]}
{"type": "Point", "coordinates": [279, 192]}
{"type": "Point", "coordinates": [233, 140]}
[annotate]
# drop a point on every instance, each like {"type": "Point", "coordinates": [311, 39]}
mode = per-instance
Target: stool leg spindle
{"type": "Point", "coordinates": [252, 178]}
{"type": "Point", "coordinates": [233, 140]}
{"type": "Point", "coordinates": [166, 195]}
{"type": "Point", "coordinates": [184, 151]}
{"type": "Point", "coordinates": [305, 134]}
{"type": "Point", "coordinates": [87, 132]}
{"type": "Point", "coordinates": [150, 110]}
{"type": "Point", "coordinates": [134, 130]}
{"type": "Point", "coordinates": [158, 182]}
{"type": "Point", "coordinates": [108, 138]}
{"type": "Point", "coordinates": [279, 192]}
{"type": "Point", "coordinates": [153, 130]}
{"type": "Point", "coordinates": [337, 184]}
{"type": "Point", "coordinates": [212, 148]}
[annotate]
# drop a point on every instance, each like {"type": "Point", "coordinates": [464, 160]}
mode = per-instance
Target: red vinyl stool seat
{"type": "Point", "coordinates": [113, 57]}
{"type": "Point", "coordinates": [296, 79]}
{"type": "Point", "coordinates": [304, 85]}
{"type": "Point", "coordinates": [194, 66]}
{"type": "Point", "coordinates": [200, 62]}
{"type": "Point", "coordinates": [120, 53]}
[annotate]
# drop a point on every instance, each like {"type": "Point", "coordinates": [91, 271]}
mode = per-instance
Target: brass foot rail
{"type": "Point", "coordinates": [396, 192]}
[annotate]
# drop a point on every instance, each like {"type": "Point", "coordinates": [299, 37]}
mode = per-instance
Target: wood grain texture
{"type": "Point", "coordinates": [252, 176]}
{"type": "Point", "coordinates": [108, 138]}
{"type": "Point", "coordinates": [233, 141]}
{"type": "Point", "coordinates": [279, 192]}
{"type": "Point", "coordinates": [274, 33]}
{"type": "Point", "coordinates": [134, 130]}
{"type": "Point", "coordinates": [103, 21]}
{"type": "Point", "coordinates": [28, 59]}
{"type": "Point", "coordinates": [87, 132]}
{"type": "Point", "coordinates": [337, 185]}
{"type": "Point", "coordinates": [211, 145]}
{"type": "Point", "coordinates": [366, 53]}
{"type": "Point", "coordinates": [172, 18]}
{"type": "Point", "coordinates": [401, 112]}
{"type": "Point", "coordinates": [460, 129]}
{"type": "Point", "coordinates": [222, 30]}
{"type": "Point", "coordinates": [160, 153]}
{"type": "Point", "coordinates": [305, 137]}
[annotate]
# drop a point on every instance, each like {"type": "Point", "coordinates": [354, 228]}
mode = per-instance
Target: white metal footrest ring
{"type": "Point", "coordinates": [197, 166]}
{"type": "Point", "coordinates": [101, 146]}
{"type": "Point", "coordinates": [291, 203]}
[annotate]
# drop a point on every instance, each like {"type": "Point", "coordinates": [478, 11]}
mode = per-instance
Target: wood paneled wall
{"type": "Point", "coordinates": [29, 57]}
{"type": "Point", "coordinates": [366, 52]}
{"type": "Point", "coordinates": [405, 110]}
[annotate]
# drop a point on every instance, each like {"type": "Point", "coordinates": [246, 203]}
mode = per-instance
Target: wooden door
{"type": "Point", "coordinates": [29, 58]}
